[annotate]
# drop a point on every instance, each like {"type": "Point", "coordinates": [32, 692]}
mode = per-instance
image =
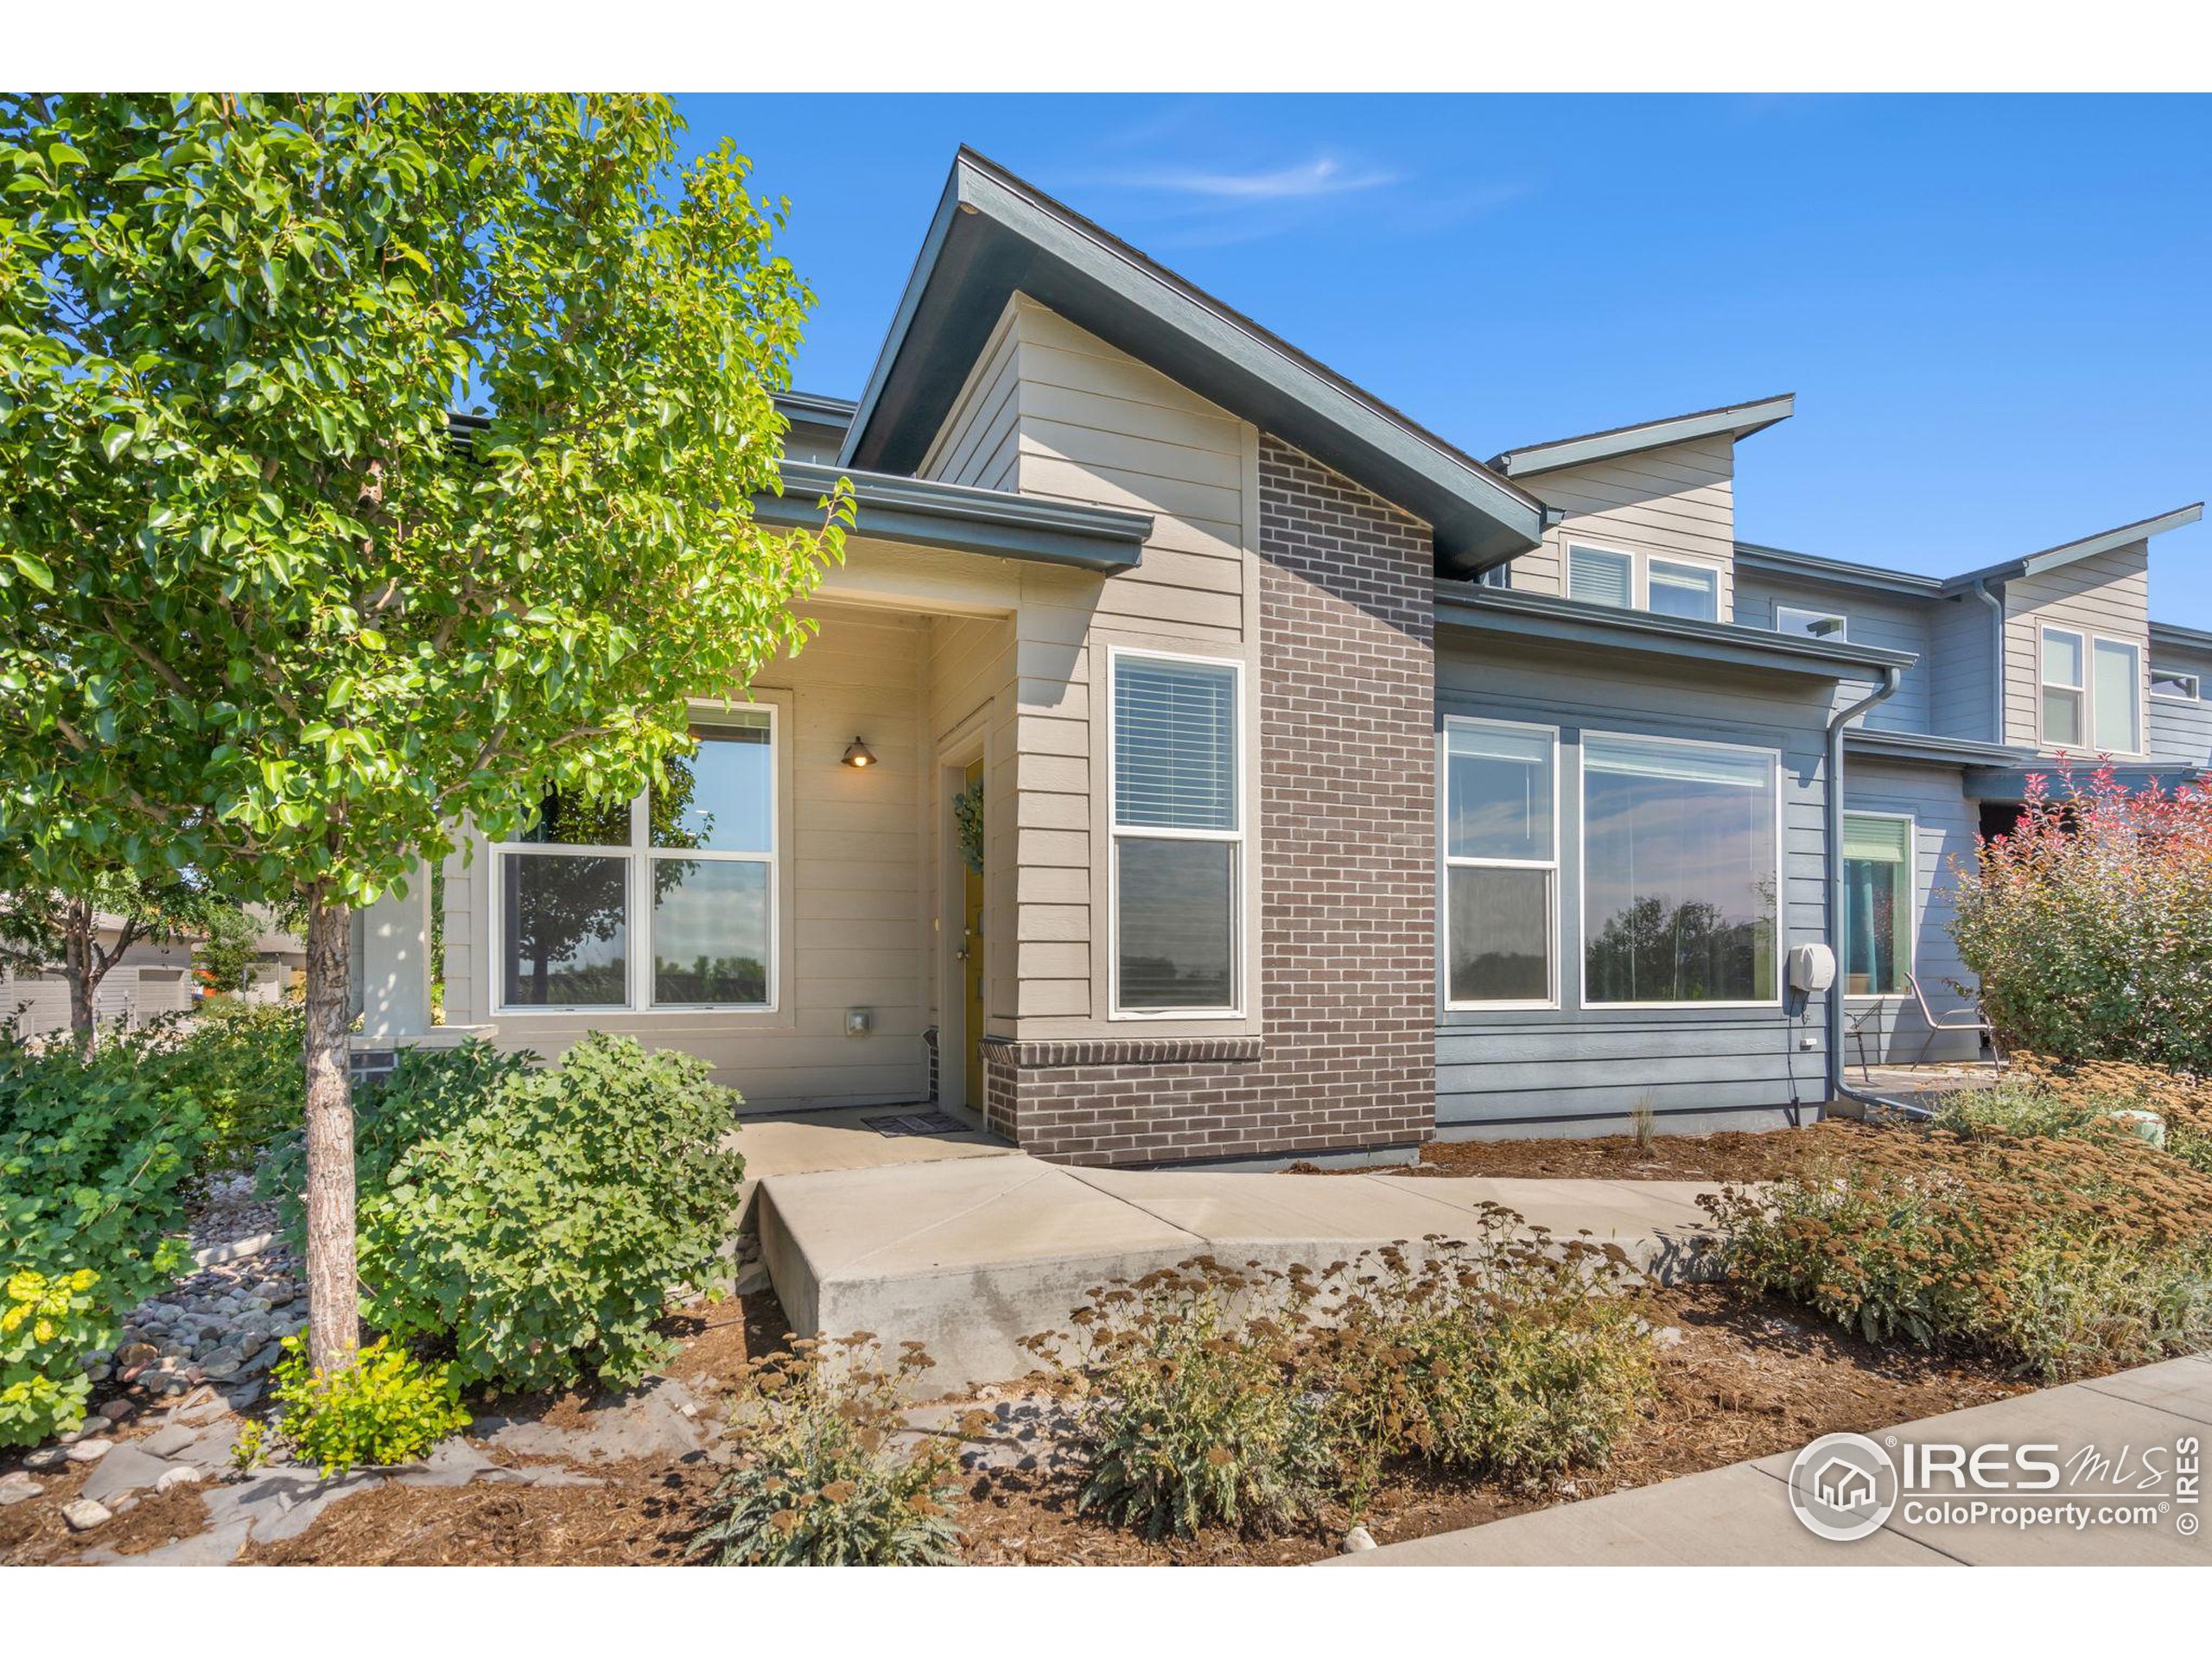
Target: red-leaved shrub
{"type": "Point", "coordinates": [2090, 923]}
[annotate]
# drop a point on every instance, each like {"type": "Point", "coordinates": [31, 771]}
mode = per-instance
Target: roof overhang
{"type": "Point", "coordinates": [1541, 618]}
{"type": "Point", "coordinates": [1872, 578]}
{"type": "Point", "coordinates": [993, 522]}
{"type": "Point", "coordinates": [1733, 421]}
{"type": "Point", "coordinates": [1918, 748]}
{"type": "Point", "coordinates": [2008, 785]}
{"type": "Point", "coordinates": [995, 236]}
{"type": "Point", "coordinates": [2173, 634]}
{"type": "Point", "coordinates": [826, 420]}
{"type": "Point", "coordinates": [2065, 553]}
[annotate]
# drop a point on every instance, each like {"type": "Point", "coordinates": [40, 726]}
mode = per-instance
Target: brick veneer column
{"type": "Point", "coordinates": [1345, 837]}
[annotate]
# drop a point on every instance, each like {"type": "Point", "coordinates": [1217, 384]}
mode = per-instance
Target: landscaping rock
{"type": "Point", "coordinates": [182, 1474]}
{"type": "Point", "coordinates": [125, 1470]}
{"type": "Point", "coordinates": [752, 1280]}
{"type": "Point", "coordinates": [16, 1486]}
{"type": "Point", "coordinates": [88, 1450]}
{"type": "Point", "coordinates": [1358, 1538]}
{"type": "Point", "coordinates": [46, 1457]}
{"type": "Point", "coordinates": [221, 1363]}
{"type": "Point", "coordinates": [83, 1515]}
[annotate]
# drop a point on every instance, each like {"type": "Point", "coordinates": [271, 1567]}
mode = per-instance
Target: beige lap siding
{"type": "Point", "coordinates": [1346, 831]}
{"type": "Point", "coordinates": [853, 921]}
{"type": "Point", "coordinates": [1675, 502]}
{"type": "Point", "coordinates": [2107, 596]}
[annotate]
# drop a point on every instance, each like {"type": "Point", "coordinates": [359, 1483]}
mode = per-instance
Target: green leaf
{"type": "Point", "coordinates": [115, 438]}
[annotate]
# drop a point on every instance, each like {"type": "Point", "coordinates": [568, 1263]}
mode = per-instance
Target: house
{"type": "Point", "coordinates": [150, 978]}
{"type": "Point", "coordinates": [1199, 759]}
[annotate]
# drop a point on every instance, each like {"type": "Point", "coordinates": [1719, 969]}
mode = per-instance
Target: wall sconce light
{"type": "Point", "coordinates": [858, 753]}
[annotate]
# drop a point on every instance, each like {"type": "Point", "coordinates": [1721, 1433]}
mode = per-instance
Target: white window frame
{"type": "Point", "coordinates": [639, 857]}
{"type": "Point", "coordinates": [1582, 867]}
{"type": "Point", "coordinates": [2044, 682]}
{"type": "Point", "coordinates": [1799, 620]}
{"type": "Point", "coordinates": [1238, 920]}
{"type": "Point", "coordinates": [2089, 673]}
{"type": "Point", "coordinates": [1912, 912]}
{"type": "Point", "coordinates": [1639, 574]}
{"type": "Point", "coordinates": [1451, 862]}
{"type": "Point", "coordinates": [2195, 684]}
{"type": "Point", "coordinates": [2086, 690]}
{"type": "Point", "coordinates": [1700, 567]}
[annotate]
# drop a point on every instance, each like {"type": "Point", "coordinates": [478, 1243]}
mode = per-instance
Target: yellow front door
{"type": "Point", "coordinates": [971, 952]}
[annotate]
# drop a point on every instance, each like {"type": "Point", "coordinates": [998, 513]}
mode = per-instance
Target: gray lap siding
{"type": "Point", "coordinates": [1522, 1071]}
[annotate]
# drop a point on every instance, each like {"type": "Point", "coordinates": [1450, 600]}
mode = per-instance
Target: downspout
{"type": "Point", "coordinates": [1996, 658]}
{"type": "Point", "coordinates": [1891, 678]}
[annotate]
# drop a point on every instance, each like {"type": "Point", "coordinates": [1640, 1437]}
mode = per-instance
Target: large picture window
{"type": "Point", "coordinates": [1501, 854]}
{"type": "Point", "coordinates": [1178, 834]}
{"type": "Point", "coordinates": [1878, 876]}
{"type": "Point", "coordinates": [688, 869]}
{"type": "Point", "coordinates": [1681, 870]}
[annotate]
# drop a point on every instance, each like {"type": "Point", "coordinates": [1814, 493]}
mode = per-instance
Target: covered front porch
{"type": "Point", "coordinates": [824, 902]}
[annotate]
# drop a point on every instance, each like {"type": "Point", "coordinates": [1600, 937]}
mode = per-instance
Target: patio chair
{"type": "Point", "coordinates": [1871, 1014]}
{"type": "Point", "coordinates": [1970, 1018]}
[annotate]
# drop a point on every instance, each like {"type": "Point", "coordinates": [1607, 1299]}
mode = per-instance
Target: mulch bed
{"type": "Point", "coordinates": [1732, 1155]}
{"type": "Point", "coordinates": [1751, 1376]}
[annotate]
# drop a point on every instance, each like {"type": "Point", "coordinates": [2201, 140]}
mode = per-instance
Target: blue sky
{"type": "Point", "coordinates": [1996, 313]}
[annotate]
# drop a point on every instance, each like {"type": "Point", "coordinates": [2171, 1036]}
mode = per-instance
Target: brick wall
{"type": "Point", "coordinates": [1346, 840]}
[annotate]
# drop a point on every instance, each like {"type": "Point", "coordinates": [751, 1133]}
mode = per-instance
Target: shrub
{"type": "Point", "coordinates": [1190, 1414]}
{"type": "Point", "coordinates": [830, 1476]}
{"type": "Point", "coordinates": [2061, 1253]}
{"type": "Point", "coordinates": [2090, 923]}
{"type": "Point", "coordinates": [47, 1325]}
{"type": "Point", "coordinates": [240, 1063]}
{"type": "Point", "coordinates": [387, 1407]}
{"type": "Point", "coordinates": [542, 1218]}
{"type": "Point", "coordinates": [2099, 1088]}
{"type": "Point", "coordinates": [93, 1157]}
{"type": "Point", "coordinates": [1510, 1355]}
{"type": "Point", "coordinates": [1209, 1395]}
{"type": "Point", "coordinates": [429, 1092]}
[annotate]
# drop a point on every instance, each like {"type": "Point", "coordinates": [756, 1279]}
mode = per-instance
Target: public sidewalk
{"type": "Point", "coordinates": [1740, 1515]}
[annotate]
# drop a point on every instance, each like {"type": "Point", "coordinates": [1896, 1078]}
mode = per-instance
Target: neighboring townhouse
{"type": "Point", "coordinates": [151, 978]}
{"type": "Point", "coordinates": [1198, 760]}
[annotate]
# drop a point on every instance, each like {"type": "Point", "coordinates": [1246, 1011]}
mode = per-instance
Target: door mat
{"type": "Point", "coordinates": [917, 1123]}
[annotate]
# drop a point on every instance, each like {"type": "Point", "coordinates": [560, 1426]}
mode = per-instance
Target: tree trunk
{"type": "Point", "coordinates": [79, 960]}
{"type": "Point", "coordinates": [334, 1303]}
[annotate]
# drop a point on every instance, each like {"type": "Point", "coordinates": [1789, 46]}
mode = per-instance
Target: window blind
{"type": "Point", "coordinates": [1628, 757]}
{"type": "Point", "coordinates": [1882, 841]}
{"type": "Point", "coordinates": [1174, 745]}
{"type": "Point", "coordinates": [1598, 578]}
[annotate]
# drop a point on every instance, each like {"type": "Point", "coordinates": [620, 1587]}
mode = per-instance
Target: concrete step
{"type": "Point", "coordinates": [968, 1256]}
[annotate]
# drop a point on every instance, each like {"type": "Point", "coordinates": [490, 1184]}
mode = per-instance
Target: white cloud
{"type": "Point", "coordinates": [1325, 175]}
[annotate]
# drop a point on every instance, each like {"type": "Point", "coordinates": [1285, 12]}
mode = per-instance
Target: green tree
{"type": "Point", "coordinates": [83, 928]}
{"type": "Point", "coordinates": [269, 606]}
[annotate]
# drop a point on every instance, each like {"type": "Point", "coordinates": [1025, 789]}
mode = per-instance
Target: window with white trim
{"type": "Point", "coordinates": [1680, 871]}
{"type": "Point", "coordinates": [689, 866]}
{"type": "Point", "coordinates": [2065, 695]}
{"type": "Point", "coordinates": [2116, 696]}
{"type": "Point", "coordinates": [1878, 880]}
{"type": "Point", "coordinates": [1643, 582]}
{"type": "Point", "coordinates": [1814, 625]}
{"type": "Point", "coordinates": [1501, 856]}
{"type": "Point", "coordinates": [2172, 685]}
{"type": "Point", "coordinates": [1178, 834]}
{"type": "Point", "coordinates": [1692, 591]}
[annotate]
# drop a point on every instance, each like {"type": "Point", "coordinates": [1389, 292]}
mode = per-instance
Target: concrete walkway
{"type": "Point", "coordinates": [1740, 1515]}
{"type": "Point", "coordinates": [968, 1255]}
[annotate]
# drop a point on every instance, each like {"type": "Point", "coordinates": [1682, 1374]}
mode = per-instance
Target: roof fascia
{"type": "Point", "coordinates": [1736, 420]}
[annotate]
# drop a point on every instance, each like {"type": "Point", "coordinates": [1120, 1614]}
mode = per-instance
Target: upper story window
{"type": "Point", "coordinates": [2172, 685]}
{"type": "Point", "coordinates": [2091, 692]}
{"type": "Point", "coordinates": [1816, 625]}
{"type": "Point", "coordinates": [1681, 871]}
{"type": "Point", "coordinates": [1645, 582]}
{"type": "Point", "coordinates": [1178, 834]}
{"type": "Point", "coordinates": [691, 867]}
{"type": "Point", "coordinates": [1501, 856]}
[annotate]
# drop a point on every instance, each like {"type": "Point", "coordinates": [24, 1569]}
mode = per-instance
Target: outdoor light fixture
{"type": "Point", "coordinates": [858, 753]}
